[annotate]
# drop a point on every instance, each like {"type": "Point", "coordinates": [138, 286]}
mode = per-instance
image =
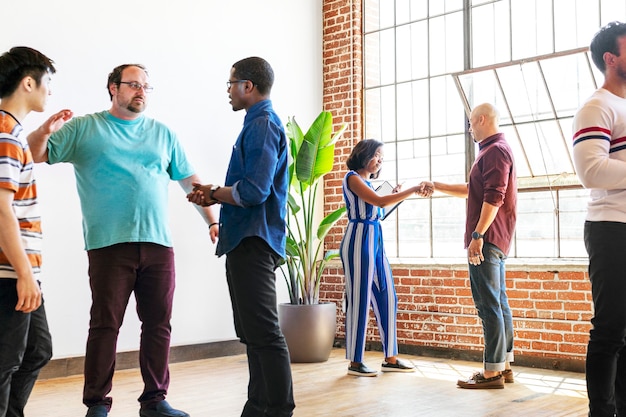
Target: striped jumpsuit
{"type": "Point", "coordinates": [368, 277]}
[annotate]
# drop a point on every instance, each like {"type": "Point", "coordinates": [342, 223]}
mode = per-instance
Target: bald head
{"type": "Point", "coordinates": [484, 121]}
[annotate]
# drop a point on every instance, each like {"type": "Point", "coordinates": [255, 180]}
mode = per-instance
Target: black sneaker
{"type": "Point", "coordinates": [361, 370]}
{"type": "Point", "coordinates": [400, 366]}
{"type": "Point", "coordinates": [97, 411]}
{"type": "Point", "coordinates": [162, 409]}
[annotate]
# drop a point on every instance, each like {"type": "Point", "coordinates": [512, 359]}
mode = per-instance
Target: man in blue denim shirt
{"type": "Point", "coordinates": [252, 235]}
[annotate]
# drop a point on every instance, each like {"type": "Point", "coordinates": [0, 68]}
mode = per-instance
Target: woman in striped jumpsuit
{"type": "Point", "coordinates": [367, 270]}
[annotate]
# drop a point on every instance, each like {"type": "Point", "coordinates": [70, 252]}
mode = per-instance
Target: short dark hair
{"type": "Point", "coordinates": [20, 62]}
{"type": "Point", "coordinates": [256, 70]}
{"type": "Point", "coordinates": [115, 77]}
{"type": "Point", "coordinates": [362, 154]}
{"type": "Point", "coordinates": [605, 40]}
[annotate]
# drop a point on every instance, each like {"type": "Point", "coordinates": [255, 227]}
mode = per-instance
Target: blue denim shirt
{"type": "Point", "coordinates": [258, 174]}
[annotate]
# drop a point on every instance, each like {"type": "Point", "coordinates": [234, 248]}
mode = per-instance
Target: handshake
{"type": "Point", "coordinates": [425, 189]}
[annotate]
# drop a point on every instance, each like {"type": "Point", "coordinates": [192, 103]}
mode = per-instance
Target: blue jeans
{"type": "Point", "coordinates": [252, 284]}
{"type": "Point", "coordinates": [489, 292]}
{"type": "Point", "coordinates": [25, 347]}
{"type": "Point", "coordinates": [606, 351]}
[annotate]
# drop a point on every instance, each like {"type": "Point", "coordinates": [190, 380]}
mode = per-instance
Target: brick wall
{"type": "Point", "coordinates": [436, 314]}
{"type": "Point", "coordinates": [342, 76]}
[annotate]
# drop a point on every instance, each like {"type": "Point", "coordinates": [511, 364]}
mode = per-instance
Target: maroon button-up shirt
{"type": "Point", "coordinates": [493, 180]}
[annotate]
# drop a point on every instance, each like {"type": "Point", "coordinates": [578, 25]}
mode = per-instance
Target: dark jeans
{"type": "Point", "coordinates": [25, 347]}
{"type": "Point", "coordinates": [252, 284]}
{"type": "Point", "coordinates": [114, 273]}
{"type": "Point", "coordinates": [606, 355]}
{"type": "Point", "coordinates": [488, 282]}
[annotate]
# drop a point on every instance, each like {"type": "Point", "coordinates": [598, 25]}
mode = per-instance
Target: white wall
{"type": "Point", "coordinates": [189, 47]}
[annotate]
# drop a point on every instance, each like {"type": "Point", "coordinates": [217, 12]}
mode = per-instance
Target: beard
{"type": "Point", "coordinates": [621, 72]}
{"type": "Point", "coordinates": [131, 105]}
{"type": "Point", "coordinates": [136, 108]}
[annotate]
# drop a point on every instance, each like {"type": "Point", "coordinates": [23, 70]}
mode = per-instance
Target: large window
{"type": "Point", "coordinates": [428, 62]}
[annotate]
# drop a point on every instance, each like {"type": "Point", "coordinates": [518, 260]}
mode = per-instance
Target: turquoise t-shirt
{"type": "Point", "coordinates": [123, 169]}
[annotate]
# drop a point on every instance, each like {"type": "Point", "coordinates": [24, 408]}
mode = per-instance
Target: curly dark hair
{"type": "Point", "coordinates": [20, 62]}
{"type": "Point", "coordinates": [362, 153]}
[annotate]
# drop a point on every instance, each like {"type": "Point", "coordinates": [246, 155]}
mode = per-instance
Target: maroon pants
{"type": "Point", "coordinates": [114, 273]}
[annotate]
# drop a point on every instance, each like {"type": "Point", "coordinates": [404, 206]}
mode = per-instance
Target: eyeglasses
{"type": "Point", "coordinates": [230, 83]}
{"type": "Point", "coordinates": [137, 87]}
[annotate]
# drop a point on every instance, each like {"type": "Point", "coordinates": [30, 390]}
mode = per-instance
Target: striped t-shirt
{"type": "Point", "coordinates": [16, 174]}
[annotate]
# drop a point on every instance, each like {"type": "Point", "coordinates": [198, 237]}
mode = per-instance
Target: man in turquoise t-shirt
{"type": "Point", "coordinates": [123, 162]}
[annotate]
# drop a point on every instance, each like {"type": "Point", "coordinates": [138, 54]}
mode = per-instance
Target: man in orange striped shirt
{"type": "Point", "coordinates": [25, 342]}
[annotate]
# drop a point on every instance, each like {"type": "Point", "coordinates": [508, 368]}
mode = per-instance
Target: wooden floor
{"type": "Point", "coordinates": [217, 388]}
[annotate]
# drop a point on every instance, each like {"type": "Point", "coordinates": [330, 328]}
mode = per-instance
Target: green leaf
{"type": "Point", "coordinates": [312, 156]}
{"type": "Point", "coordinates": [328, 222]}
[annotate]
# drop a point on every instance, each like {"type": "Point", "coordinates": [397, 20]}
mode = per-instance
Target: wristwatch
{"type": "Point", "coordinates": [476, 235]}
{"type": "Point", "coordinates": [213, 190]}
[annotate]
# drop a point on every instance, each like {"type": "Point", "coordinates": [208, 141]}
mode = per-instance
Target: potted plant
{"type": "Point", "coordinates": [308, 326]}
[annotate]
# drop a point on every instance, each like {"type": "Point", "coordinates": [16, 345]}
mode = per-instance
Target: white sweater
{"type": "Point", "coordinates": [599, 151]}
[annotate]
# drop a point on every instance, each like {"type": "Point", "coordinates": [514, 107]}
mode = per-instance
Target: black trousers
{"type": "Point", "coordinates": [252, 284]}
{"type": "Point", "coordinates": [25, 347]}
{"type": "Point", "coordinates": [606, 352]}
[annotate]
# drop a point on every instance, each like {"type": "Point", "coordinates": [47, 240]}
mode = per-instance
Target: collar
{"type": "Point", "coordinates": [256, 108]}
{"type": "Point", "coordinates": [491, 139]}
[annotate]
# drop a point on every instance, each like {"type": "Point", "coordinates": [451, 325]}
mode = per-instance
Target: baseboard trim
{"type": "Point", "coordinates": [58, 368]}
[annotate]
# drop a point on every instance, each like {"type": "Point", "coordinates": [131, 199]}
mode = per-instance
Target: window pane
{"type": "Point", "coordinates": [536, 230]}
{"type": "Point", "coordinates": [379, 58]}
{"type": "Point", "coordinates": [572, 213]}
{"type": "Point", "coordinates": [373, 128]}
{"type": "Point", "coordinates": [448, 158]}
{"type": "Point", "coordinates": [378, 15]}
{"type": "Point", "coordinates": [380, 114]}
{"type": "Point", "coordinates": [569, 81]}
{"type": "Point", "coordinates": [413, 110]}
{"type": "Point", "coordinates": [390, 164]}
{"type": "Point", "coordinates": [532, 28]}
{"type": "Point", "coordinates": [414, 233]}
{"type": "Point", "coordinates": [612, 10]}
{"type": "Point", "coordinates": [545, 147]}
{"type": "Point", "coordinates": [412, 41]}
{"type": "Point", "coordinates": [446, 44]}
{"type": "Point", "coordinates": [410, 10]}
{"type": "Point", "coordinates": [438, 7]}
{"type": "Point", "coordinates": [413, 162]}
{"type": "Point", "coordinates": [566, 128]}
{"type": "Point", "coordinates": [490, 30]}
{"type": "Point", "coordinates": [371, 15]}
{"type": "Point", "coordinates": [576, 24]}
{"type": "Point", "coordinates": [482, 87]}
{"type": "Point", "coordinates": [525, 91]}
{"type": "Point", "coordinates": [446, 108]}
{"type": "Point", "coordinates": [448, 227]}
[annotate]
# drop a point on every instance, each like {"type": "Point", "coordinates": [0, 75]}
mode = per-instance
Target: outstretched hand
{"type": "Point", "coordinates": [56, 121]}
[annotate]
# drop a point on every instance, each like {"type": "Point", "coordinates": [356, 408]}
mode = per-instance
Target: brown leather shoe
{"type": "Point", "coordinates": [507, 374]}
{"type": "Point", "coordinates": [478, 381]}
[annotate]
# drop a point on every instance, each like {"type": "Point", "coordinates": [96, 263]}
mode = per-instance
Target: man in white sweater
{"type": "Point", "coordinates": [600, 161]}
